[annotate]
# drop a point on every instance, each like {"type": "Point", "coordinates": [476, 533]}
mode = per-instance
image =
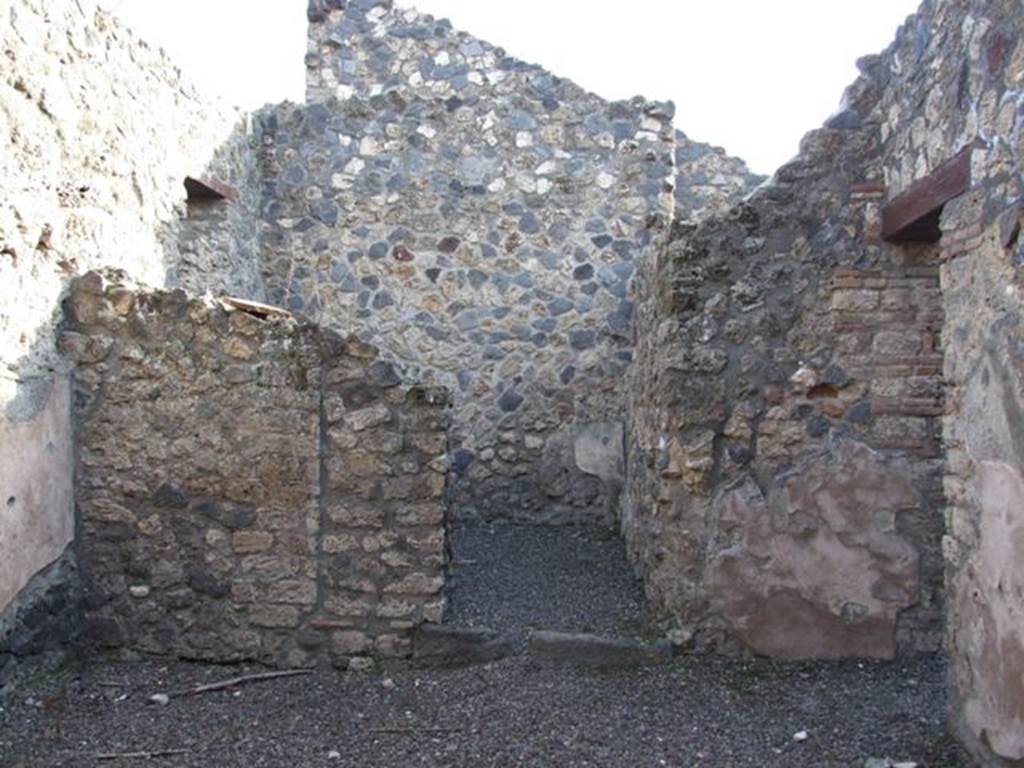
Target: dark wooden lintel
{"type": "Point", "coordinates": [209, 189]}
{"type": "Point", "coordinates": [914, 215]}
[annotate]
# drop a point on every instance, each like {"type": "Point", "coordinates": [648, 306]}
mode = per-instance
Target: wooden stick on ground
{"type": "Point", "coordinates": [237, 681]}
{"type": "Point", "coordinates": [142, 755]}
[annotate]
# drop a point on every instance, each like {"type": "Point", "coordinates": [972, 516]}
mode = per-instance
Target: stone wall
{"type": "Point", "coordinates": [787, 380]}
{"type": "Point", "coordinates": [985, 489]}
{"type": "Point", "coordinates": [249, 487]}
{"type": "Point", "coordinates": [955, 79]}
{"type": "Point", "coordinates": [100, 131]}
{"type": "Point", "coordinates": [478, 219]}
{"type": "Point", "coordinates": [814, 373]}
{"type": "Point", "coordinates": [708, 181]}
{"type": "Point", "coordinates": [971, 66]}
{"type": "Point", "coordinates": [97, 134]}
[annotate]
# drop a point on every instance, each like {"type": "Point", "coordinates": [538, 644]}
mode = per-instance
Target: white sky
{"type": "Point", "coordinates": [750, 75]}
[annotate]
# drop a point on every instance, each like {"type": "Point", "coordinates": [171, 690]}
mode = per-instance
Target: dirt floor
{"type": "Point", "coordinates": [697, 711]}
{"type": "Point", "coordinates": [517, 712]}
{"type": "Point", "coordinates": [517, 578]}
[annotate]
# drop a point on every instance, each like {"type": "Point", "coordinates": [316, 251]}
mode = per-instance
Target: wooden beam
{"type": "Point", "coordinates": [914, 215]}
{"type": "Point", "coordinates": [255, 307]}
{"type": "Point", "coordinates": [209, 189]}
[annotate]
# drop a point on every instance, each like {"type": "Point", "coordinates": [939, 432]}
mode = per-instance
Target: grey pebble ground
{"type": "Point", "coordinates": [516, 578]}
{"type": "Point", "coordinates": [697, 711]}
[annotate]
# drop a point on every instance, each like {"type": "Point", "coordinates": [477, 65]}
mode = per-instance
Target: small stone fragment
{"type": "Point", "coordinates": [360, 664]}
{"type": "Point", "coordinates": [680, 637]}
{"type": "Point", "coordinates": [805, 378]}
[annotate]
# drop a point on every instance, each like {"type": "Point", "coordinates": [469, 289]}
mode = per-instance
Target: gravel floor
{"type": "Point", "coordinates": [515, 578]}
{"type": "Point", "coordinates": [517, 712]}
{"type": "Point", "coordinates": [698, 711]}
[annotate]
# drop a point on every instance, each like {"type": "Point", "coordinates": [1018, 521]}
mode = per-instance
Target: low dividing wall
{"type": "Point", "coordinates": [249, 487]}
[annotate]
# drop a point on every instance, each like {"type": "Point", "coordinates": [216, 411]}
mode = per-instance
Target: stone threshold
{"type": "Point", "coordinates": [440, 645]}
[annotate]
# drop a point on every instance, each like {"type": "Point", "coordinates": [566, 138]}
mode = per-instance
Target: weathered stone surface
{"type": "Point", "coordinates": [772, 331]}
{"type": "Point", "coordinates": [818, 568]}
{"type": "Point", "coordinates": [218, 520]}
{"type": "Point", "coordinates": [709, 415]}
{"type": "Point", "coordinates": [46, 615]}
{"type": "Point", "coordinates": [596, 651]}
{"type": "Point", "coordinates": [99, 181]}
{"type": "Point", "coordinates": [486, 220]}
{"type": "Point", "coordinates": [988, 616]}
{"type": "Point", "coordinates": [480, 278]}
{"type": "Point", "coordinates": [708, 181]}
{"type": "Point", "coordinates": [802, 397]}
{"type": "Point", "coordinates": [599, 451]}
{"type": "Point", "coordinates": [435, 645]}
{"type": "Point", "coordinates": [785, 327]}
{"type": "Point", "coordinates": [35, 473]}
{"type": "Point", "coordinates": [985, 492]}
{"type": "Point", "coordinates": [98, 131]}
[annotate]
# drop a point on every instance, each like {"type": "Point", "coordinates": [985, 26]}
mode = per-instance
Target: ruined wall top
{"type": "Point", "coordinates": [98, 131]}
{"type": "Point", "coordinates": [366, 48]}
